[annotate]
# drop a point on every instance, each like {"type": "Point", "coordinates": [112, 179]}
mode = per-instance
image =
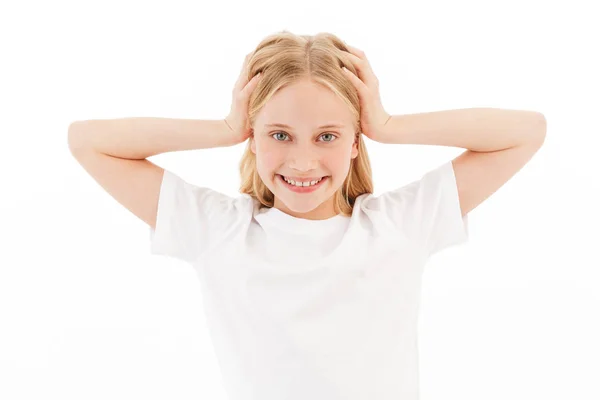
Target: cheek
{"type": "Point", "coordinates": [338, 164]}
{"type": "Point", "coordinates": [268, 160]}
{"type": "Point", "coordinates": [271, 156]}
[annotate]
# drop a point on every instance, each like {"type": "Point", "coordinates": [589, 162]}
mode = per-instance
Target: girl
{"type": "Point", "coordinates": [311, 284]}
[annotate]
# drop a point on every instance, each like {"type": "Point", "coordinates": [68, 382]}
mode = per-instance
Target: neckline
{"type": "Point", "coordinates": [300, 225]}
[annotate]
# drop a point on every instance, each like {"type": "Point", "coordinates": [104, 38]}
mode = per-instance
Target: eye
{"type": "Point", "coordinates": [278, 133]}
{"type": "Point", "coordinates": [333, 137]}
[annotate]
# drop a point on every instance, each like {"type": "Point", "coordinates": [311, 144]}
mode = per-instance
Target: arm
{"type": "Point", "coordinates": [114, 153]}
{"type": "Point", "coordinates": [476, 129]}
{"type": "Point", "coordinates": [499, 143]}
{"type": "Point", "coordinates": [139, 138]}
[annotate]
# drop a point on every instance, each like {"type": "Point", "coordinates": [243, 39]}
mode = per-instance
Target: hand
{"type": "Point", "coordinates": [373, 118]}
{"type": "Point", "coordinates": [237, 120]}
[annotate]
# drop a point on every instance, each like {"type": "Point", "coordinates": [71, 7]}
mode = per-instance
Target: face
{"type": "Point", "coordinates": [304, 149]}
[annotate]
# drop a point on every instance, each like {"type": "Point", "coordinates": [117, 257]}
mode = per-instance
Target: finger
{"type": "Point", "coordinates": [246, 60]}
{"type": "Point", "coordinates": [362, 71]}
{"type": "Point", "coordinates": [357, 52]}
{"type": "Point", "coordinates": [242, 80]}
{"type": "Point", "coordinates": [361, 63]}
{"type": "Point", "coordinates": [249, 88]}
{"type": "Point", "coordinates": [358, 84]}
{"type": "Point", "coordinates": [365, 72]}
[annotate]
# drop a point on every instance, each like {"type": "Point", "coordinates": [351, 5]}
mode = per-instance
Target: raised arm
{"type": "Point", "coordinates": [114, 153]}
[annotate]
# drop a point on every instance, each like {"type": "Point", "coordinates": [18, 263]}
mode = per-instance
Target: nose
{"type": "Point", "coordinates": [304, 159]}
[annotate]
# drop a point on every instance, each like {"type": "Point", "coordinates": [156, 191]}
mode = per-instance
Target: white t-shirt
{"type": "Point", "coordinates": [305, 309]}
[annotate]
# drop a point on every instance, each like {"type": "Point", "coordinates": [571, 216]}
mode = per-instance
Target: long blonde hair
{"type": "Point", "coordinates": [284, 58]}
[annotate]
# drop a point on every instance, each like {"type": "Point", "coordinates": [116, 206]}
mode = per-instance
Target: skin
{"type": "Point", "coordinates": [304, 150]}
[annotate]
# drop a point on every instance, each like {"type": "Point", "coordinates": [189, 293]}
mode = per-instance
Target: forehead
{"type": "Point", "coordinates": [304, 104]}
{"type": "Point", "coordinates": [324, 126]}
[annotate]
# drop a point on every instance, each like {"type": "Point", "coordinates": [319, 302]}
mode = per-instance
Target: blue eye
{"type": "Point", "coordinates": [333, 136]}
{"type": "Point", "coordinates": [281, 132]}
{"type": "Point", "coordinates": [276, 133]}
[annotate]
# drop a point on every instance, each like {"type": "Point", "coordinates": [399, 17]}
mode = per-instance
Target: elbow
{"type": "Point", "coordinates": [74, 136]}
{"type": "Point", "coordinates": [542, 127]}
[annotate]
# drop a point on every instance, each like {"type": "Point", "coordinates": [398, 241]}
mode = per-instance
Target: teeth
{"type": "Point", "coordinates": [311, 183]}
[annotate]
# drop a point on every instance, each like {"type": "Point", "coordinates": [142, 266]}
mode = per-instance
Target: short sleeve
{"type": "Point", "coordinates": [190, 218]}
{"type": "Point", "coordinates": [428, 210]}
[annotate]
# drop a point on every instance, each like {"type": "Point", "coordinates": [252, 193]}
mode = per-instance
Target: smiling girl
{"type": "Point", "coordinates": [311, 283]}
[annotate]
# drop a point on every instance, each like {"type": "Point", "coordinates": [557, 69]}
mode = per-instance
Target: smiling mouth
{"type": "Point", "coordinates": [312, 180]}
{"type": "Point", "coordinates": [307, 187]}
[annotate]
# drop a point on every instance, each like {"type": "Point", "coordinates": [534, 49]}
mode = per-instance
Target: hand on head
{"type": "Point", "coordinates": [373, 118]}
{"type": "Point", "coordinates": [237, 120]}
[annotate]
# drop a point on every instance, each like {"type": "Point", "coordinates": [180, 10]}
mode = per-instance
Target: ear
{"type": "Point", "coordinates": [354, 152]}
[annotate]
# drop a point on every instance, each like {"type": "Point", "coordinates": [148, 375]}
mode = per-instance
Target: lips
{"type": "Point", "coordinates": [303, 189]}
{"type": "Point", "coordinates": [303, 180]}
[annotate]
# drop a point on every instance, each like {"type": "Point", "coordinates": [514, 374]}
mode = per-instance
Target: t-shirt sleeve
{"type": "Point", "coordinates": [428, 210]}
{"type": "Point", "coordinates": [191, 218]}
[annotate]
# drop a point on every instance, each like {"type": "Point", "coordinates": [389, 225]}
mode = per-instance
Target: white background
{"type": "Point", "coordinates": [87, 313]}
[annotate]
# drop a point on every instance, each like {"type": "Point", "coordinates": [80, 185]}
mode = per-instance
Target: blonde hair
{"type": "Point", "coordinates": [284, 58]}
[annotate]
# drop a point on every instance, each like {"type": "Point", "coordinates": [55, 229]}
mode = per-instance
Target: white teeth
{"type": "Point", "coordinates": [311, 183]}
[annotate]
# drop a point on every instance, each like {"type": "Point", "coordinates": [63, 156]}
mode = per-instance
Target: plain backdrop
{"type": "Point", "coordinates": [87, 313]}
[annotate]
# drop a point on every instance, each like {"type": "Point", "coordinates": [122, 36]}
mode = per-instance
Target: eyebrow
{"type": "Point", "coordinates": [279, 125]}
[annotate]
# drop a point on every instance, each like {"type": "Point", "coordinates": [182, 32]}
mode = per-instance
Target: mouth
{"type": "Point", "coordinates": [302, 189]}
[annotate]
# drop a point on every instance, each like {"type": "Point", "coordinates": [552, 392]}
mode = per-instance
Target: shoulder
{"type": "Point", "coordinates": [427, 209]}
{"type": "Point", "coordinates": [191, 218]}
